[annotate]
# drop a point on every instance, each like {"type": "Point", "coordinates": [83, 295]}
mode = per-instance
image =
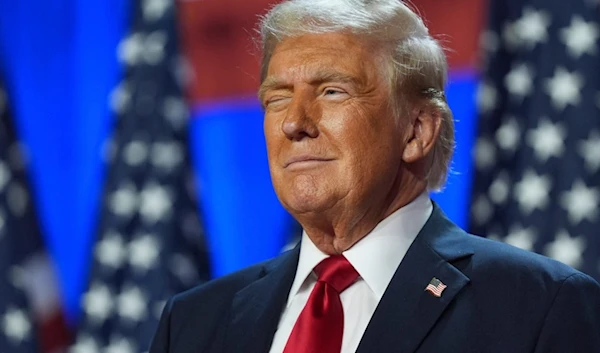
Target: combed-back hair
{"type": "Point", "coordinates": [418, 66]}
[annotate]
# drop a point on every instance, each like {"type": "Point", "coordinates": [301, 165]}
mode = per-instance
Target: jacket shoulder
{"type": "Point", "coordinates": [516, 278]}
{"type": "Point", "coordinates": [220, 291]}
{"type": "Point", "coordinates": [193, 318]}
{"type": "Point", "coordinates": [497, 258]}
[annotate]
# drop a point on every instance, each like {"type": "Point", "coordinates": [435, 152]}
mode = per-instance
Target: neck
{"type": "Point", "coordinates": [338, 231]}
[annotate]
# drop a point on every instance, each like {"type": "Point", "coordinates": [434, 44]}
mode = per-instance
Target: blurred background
{"type": "Point", "coordinates": [133, 164]}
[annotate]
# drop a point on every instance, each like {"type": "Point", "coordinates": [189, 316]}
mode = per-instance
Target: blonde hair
{"type": "Point", "coordinates": [417, 61]}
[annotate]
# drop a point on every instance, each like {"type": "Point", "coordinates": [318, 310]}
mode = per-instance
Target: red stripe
{"type": "Point", "coordinates": [54, 333]}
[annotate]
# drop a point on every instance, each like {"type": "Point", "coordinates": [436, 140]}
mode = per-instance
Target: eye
{"type": "Point", "coordinates": [334, 94]}
{"type": "Point", "coordinates": [332, 91]}
{"type": "Point", "coordinates": [275, 102]}
{"type": "Point", "coordinates": [274, 99]}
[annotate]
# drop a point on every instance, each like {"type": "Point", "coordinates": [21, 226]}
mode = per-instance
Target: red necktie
{"type": "Point", "coordinates": [320, 326]}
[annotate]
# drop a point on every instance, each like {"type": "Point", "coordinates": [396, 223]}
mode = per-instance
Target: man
{"type": "Point", "coordinates": [358, 131]}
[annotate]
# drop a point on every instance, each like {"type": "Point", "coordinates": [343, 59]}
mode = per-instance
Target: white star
{"type": "Point", "coordinates": [488, 40]}
{"type": "Point", "coordinates": [143, 252]}
{"type": "Point", "coordinates": [485, 153]}
{"type": "Point", "coordinates": [137, 47]}
{"type": "Point", "coordinates": [564, 88]}
{"type": "Point", "coordinates": [155, 9]}
{"type": "Point", "coordinates": [184, 269]}
{"type": "Point", "coordinates": [547, 139]}
{"type": "Point", "coordinates": [487, 97]}
{"type": "Point", "coordinates": [499, 189]}
{"type": "Point", "coordinates": [510, 36]}
{"type": "Point", "coordinates": [4, 175]}
{"type": "Point", "coordinates": [85, 344]}
{"type": "Point", "coordinates": [580, 37]}
{"type": "Point", "coordinates": [154, 47]}
{"type": "Point", "coordinates": [520, 237]}
{"type": "Point", "coordinates": [120, 345]}
{"type": "Point", "coordinates": [155, 203]}
{"type": "Point", "coordinates": [566, 249]}
{"type": "Point", "coordinates": [124, 201]}
{"type": "Point", "coordinates": [167, 155]}
{"type": "Point", "coordinates": [17, 199]}
{"type": "Point", "coordinates": [120, 97]}
{"type": "Point", "coordinates": [130, 48]}
{"type": "Point", "coordinates": [111, 251]}
{"type": "Point", "coordinates": [98, 303]}
{"type": "Point", "coordinates": [508, 135]}
{"type": "Point", "coordinates": [482, 210]}
{"type": "Point", "coordinates": [135, 153]}
{"type": "Point", "coordinates": [581, 202]}
{"type": "Point", "coordinates": [131, 304]}
{"type": "Point", "coordinates": [532, 27]}
{"type": "Point", "coordinates": [17, 326]}
{"type": "Point", "coordinates": [519, 81]}
{"type": "Point", "coordinates": [590, 151]}
{"type": "Point", "coordinates": [532, 191]}
{"type": "Point", "coordinates": [176, 112]}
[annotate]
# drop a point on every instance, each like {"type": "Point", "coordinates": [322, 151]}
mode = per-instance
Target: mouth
{"type": "Point", "coordinates": [305, 161]}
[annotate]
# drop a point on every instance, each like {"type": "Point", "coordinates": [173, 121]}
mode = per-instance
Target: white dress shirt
{"type": "Point", "coordinates": [375, 257]}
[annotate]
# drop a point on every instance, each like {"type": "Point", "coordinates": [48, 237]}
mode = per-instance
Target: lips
{"type": "Point", "coordinates": [304, 159]}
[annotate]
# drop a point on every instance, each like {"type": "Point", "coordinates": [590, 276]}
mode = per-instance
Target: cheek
{"type": "Point", "coordinates": [371, 143]}
{"type": "Point", "coordinates": [362, 133]}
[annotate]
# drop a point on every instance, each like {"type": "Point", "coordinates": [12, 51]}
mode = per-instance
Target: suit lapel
{"type": "Point", "coordinates": [406, 312]}
{"type": "Point", "coordinates": [256, 309]}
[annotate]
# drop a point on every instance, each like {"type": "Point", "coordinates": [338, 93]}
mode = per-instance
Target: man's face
{"type": "Point", "coordinates": [332, 140]}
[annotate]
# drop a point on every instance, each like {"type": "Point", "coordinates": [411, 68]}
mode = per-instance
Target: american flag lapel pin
{"type": "Point", "coordinates": [435, 287]}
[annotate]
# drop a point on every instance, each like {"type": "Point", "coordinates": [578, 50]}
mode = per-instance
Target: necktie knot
{"type": "Point", "coordinates": [320, 326]}
{"type": "Point", "coordinates": [337, 272]}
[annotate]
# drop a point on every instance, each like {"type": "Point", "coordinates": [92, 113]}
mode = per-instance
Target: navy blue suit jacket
{"type": "Point", "coordinates": [498, 299]}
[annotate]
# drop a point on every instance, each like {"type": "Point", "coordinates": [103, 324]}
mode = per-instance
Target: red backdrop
{"type": "Point", "coordinates": [217, 39]}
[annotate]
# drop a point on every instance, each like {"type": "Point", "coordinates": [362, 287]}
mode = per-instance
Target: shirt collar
{"type": "Point", "coordinates": [389, 240]}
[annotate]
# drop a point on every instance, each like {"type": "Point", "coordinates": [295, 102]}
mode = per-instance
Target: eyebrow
{"type": "Point", "coordinates": [273, 83]}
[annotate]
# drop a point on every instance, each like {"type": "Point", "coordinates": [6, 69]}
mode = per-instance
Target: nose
{"type": "Point", "coordinates": [300, 120]}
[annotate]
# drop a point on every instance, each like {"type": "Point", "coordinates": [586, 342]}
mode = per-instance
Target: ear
{"type": "Point", "coordinates": [426, 121]}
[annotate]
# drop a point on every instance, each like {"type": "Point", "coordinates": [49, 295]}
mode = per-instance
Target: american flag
{"type": "Point", "coordinates": [435, 287]}
{"type": "Point", "coordinates": [537, 182]}
{"type": "Point", "coordinates": [150, 242]}
{"type": "Point", "coordinates": [31, 319]}
{"type": "Point", "coordinates": [17, 242]}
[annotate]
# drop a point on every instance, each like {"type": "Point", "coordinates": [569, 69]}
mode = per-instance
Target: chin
{"type": "Point", "coordinates": [300, 203]}
{"type": "Point", "coordinates": [306, 193]}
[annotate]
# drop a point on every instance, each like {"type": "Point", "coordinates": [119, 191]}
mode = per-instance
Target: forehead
{"type": "Point", "coordinates": [302, 56]}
